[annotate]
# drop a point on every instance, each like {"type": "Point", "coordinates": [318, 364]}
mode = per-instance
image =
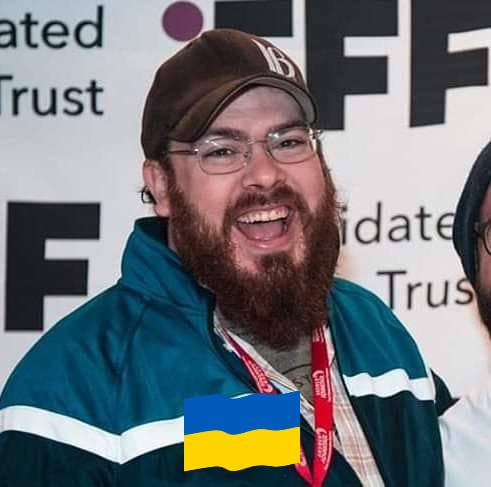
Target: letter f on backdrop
{"type": "Point", "coordinates": [259, 429]}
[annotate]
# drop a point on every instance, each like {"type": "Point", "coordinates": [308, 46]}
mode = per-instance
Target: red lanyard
{"type": "Point", "coordinates": [323, 404]}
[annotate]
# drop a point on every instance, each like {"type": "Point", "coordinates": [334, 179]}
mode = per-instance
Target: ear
{"type": "Point", "coordinates": [157, 183]}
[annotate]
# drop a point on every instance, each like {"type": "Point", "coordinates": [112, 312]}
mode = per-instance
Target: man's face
{"type": "Point", "coordinates": [483, 287]}
{"type": "Point", "coordinates": [270, 276]}
{"type": "Point", "coordinates": [254, 114]}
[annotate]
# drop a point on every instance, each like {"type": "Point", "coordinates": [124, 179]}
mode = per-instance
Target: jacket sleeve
{"type": "Point", "coordinates": [28, 460]}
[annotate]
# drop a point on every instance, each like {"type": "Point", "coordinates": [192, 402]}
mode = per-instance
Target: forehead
{"type": "Point", "coordinates": [485, 213]}
{"type": "Point", "coordinates": [261, 106]}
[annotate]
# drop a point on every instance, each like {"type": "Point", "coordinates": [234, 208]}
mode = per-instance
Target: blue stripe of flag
{"type": "Point", "coordinates": [234, 416]}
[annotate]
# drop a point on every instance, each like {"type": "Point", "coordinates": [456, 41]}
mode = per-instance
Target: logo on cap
{"type": "Point", "coordinates": [277, 61]}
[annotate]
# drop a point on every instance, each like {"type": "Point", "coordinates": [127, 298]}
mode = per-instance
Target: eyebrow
{"type": "Point", "coordinates": [237, 133]}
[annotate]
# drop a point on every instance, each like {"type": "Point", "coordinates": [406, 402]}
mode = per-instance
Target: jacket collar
{"type": "Point", "coordinates": [150, 267]}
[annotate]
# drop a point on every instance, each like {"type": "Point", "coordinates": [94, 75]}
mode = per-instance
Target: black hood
{"type": "Point", "coordinates": [467, 213]}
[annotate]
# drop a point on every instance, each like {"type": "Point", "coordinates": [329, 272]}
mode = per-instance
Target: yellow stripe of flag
{"type": "Point", "coordinates": [236, 452]}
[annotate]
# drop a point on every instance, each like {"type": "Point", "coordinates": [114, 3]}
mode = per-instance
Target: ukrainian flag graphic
{"type": "Point", "coordinates": [259, 429]}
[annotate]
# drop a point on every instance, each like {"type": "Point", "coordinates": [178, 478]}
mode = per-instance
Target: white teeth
{"type": "Point", "coordinates": [264, 216]}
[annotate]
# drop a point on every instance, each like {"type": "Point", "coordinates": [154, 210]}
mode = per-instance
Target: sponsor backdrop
{"type": "Point", "coordinates": [404, 95]}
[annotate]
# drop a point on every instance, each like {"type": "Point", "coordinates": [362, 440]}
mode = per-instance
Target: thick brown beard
{"type": "Point", "coordinates": [283, 300]}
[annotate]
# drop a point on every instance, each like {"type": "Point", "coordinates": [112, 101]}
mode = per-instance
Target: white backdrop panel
{"type": "Point", "coordinates": [389, 173]}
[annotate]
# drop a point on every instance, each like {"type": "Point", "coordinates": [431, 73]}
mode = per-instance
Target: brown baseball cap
{"type": "Point", "coordinates": [192, 87]}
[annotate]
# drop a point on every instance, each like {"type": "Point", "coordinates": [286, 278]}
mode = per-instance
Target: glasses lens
{"type": "Point", "coordinates": [222, 155]}
{"type": "Point", "coordinates": [292, 145]}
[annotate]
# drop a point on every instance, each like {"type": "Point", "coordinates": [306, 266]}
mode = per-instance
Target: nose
{"type": "Point", "coordinates": [262, 171]}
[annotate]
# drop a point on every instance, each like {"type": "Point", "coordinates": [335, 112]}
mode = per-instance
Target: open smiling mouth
{"type": "Point", "coordinates": [267, 224]}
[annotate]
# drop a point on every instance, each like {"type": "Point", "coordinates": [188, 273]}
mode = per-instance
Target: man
{"type": "Point", "coordinates": [466, 427]}
{"type": "Point", "coordinates": [226, 292]}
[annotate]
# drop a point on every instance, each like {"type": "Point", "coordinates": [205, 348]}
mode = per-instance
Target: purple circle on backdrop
{"type": "Point", "coordinates": [182, 21]}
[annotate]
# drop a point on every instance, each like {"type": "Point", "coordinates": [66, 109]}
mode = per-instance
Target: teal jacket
{"type": "Point", "coordinates": [98, 401]}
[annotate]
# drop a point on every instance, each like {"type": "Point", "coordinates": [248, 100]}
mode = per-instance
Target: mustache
{"type": "Point", "coordinates": [283, 194]}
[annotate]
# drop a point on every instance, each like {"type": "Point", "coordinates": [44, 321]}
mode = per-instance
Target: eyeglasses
{"type": "Point", "coordinates": [224, 155]}
{"type": "Point", "coordinates": [483, 230]}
